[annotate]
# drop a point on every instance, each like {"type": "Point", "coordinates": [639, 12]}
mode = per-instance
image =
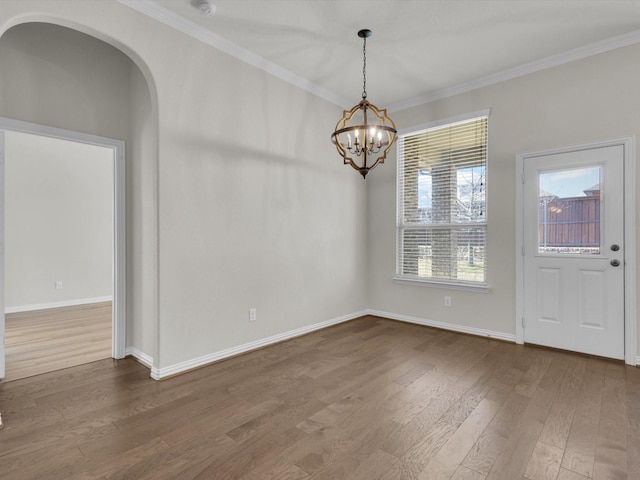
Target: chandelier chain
{"type": "Point", "coordinates": [364, 68]}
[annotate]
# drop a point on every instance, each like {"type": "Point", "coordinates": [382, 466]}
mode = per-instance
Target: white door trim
{"type": "Point", "coordinates": [630, 320]}
{"type": "Point", "coordinates": [119, 240]}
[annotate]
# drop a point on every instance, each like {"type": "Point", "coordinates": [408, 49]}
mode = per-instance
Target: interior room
{"type": "Point", "coordinates": [59, 224]}
{"type": "Point", "coordinates": [354, 239]}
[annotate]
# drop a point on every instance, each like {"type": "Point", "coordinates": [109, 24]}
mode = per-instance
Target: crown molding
{"type": "Point", "coordinates": [194, 30]}
{"type": "Point", "coordinates": [579, 53]}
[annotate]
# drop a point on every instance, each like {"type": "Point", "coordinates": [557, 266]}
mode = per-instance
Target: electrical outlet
{"type": "Point", "coordinates": [253, 314]}
{"type": "Point", "coordinates": [447, 301]}
{"type": "Point", "coordinates": [58, 285]}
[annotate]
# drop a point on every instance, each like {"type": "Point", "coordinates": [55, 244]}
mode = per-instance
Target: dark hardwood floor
{"type": "Point", "coordinates": [368, 399]}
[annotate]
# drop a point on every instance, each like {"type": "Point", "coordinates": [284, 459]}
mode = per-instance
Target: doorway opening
{"type": "Point", "coordinates": [63, 257]}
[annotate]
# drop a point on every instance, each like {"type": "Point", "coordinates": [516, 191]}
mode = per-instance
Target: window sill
{"type": "Point", "coordinates": [482, 288]}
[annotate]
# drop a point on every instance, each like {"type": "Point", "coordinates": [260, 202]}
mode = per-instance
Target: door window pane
{"type": "Point", "coordinates": [569, 211]}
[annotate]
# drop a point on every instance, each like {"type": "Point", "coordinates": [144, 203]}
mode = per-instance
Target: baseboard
{"type": "Point", "coordinates": [141, 357]}
{"type": "Point", "coordinates": [160, 373]}
{"type": "Point", "coordinates": [638, 362]}
{"type": "Point", "coordinates": [65, 303]}
{"type": "Point", "coordinates": [445, 326]}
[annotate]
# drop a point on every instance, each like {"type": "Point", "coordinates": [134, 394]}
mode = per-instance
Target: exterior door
{"type": "Point", "coordinates": [574, 251]}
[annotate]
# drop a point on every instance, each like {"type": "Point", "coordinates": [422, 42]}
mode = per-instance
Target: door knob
{"type": "Point", "coordinates": [615, 247]}
{"type": "Point", "coordinates": [615, 262]}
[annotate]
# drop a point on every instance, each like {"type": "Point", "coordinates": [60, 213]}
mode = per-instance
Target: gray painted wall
{"type": "Point", "coordinates": [58, 221]}
{"type": "Point", "coordinates": [236, 197]}
{"type": "Point", "coordinates": [241, 202]}
{"type": "Point", "coordinates": [581, 102]}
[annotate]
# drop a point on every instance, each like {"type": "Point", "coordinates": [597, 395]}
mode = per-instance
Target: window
{"type": "Point", "coordinates": [442, 214]}
{"type": "Point", "coordinates": [569, 211]}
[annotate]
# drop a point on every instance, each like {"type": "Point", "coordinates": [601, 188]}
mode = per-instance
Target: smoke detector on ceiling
{"type": "Point", "coordinates": [205, 7]}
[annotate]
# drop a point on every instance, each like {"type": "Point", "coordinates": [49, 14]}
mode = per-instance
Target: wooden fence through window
{"type": "Point", "coordinates": [569, 222]}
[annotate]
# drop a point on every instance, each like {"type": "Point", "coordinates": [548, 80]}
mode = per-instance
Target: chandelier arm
{"type": "Point", "coordinates": [362, 127]}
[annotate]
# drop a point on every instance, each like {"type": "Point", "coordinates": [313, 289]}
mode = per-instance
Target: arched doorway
{"type": "Point", "coordinates": [61, 78]}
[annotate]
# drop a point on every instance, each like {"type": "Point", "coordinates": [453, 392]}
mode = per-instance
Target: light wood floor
{"type": "Point", "coordinates": [368, 399]}
{"type": "Point", "coordinates": [46, 340]}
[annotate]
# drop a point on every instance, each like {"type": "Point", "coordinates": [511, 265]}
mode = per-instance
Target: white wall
{"type": "Point", "coordinates": [142, 218]}
{"type": "Point", "coordinates": [239, 199]}
{"type": "Point", "coordinates": [256, 208]}
{"type": "Point", "coordinates": [592, 99]}
{"type": "Point", "coordinates": [246, 203]}
{"type": "Point", "coordinates": [58, 221]}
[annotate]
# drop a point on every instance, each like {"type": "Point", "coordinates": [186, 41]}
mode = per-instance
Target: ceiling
{"type": "Point", "coordinates": [420, 49]}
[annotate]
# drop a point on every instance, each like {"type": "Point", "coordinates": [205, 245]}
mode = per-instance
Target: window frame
{"type": "Point", "coordinates": [454, 284]}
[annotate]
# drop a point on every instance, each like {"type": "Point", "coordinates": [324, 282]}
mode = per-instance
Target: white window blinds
{"type": "Point", "coordinates": [442, 214]}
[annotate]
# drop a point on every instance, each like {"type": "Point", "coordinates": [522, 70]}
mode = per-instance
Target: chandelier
{"type": "Point", "coordinates": [364, 134]}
